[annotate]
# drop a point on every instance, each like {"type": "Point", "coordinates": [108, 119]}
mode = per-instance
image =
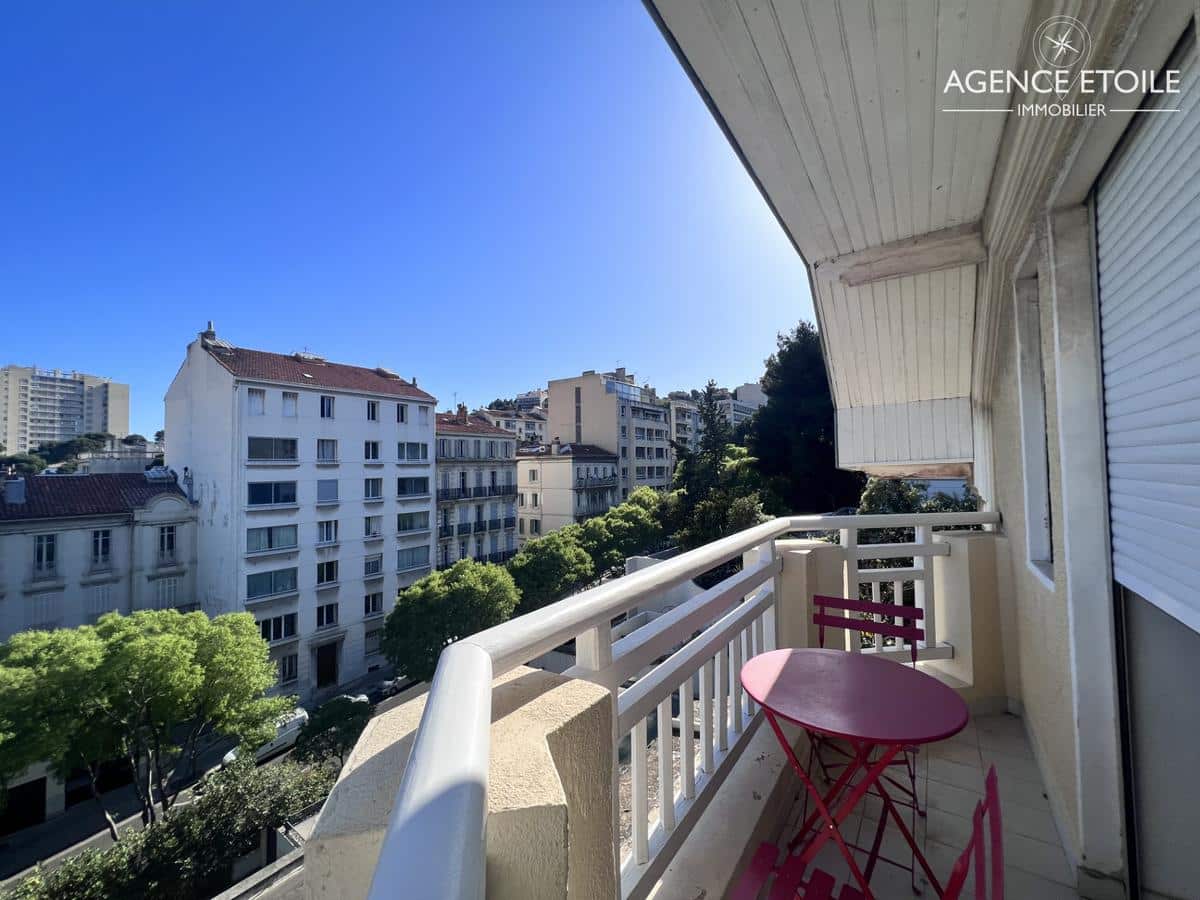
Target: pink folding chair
{"type": "Point", "coordinates": [823, 618]}
{"type": "Point", "coordinates": [790, 884]}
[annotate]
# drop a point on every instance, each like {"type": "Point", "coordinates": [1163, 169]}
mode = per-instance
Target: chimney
{"type": "Point", "coordinates": [555, 446]}
{"type": "Point", "coordinates": [210, 333]}
{"type": "Point", "coordinates": [620, 373]}
{"type": "Point", "coordinates": [462, 413]}
{"type": "Point", "coordinates": [14, 490]}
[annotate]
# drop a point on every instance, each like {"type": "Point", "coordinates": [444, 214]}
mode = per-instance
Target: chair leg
{"type": "Point", "coordinates": [910, 760]}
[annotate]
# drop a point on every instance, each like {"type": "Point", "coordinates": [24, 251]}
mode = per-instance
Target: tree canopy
{"type": "Point", "coordinates": [502, 403]}
{"type": "Point", "coordinates": [143, 688]}
{"type": "Point", "coordinates": [793, 435]}
{"type": "Point", "coordinates": [443, 607]}
{"type": "Point", "coordinates": [332, 730]}
{"type": "Point", "coordinates": [550, 567]}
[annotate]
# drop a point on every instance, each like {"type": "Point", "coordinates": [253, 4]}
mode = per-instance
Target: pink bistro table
{"type": "Point", "coordinates": [878, 706]}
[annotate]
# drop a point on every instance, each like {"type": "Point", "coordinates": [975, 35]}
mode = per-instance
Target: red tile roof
{"type": "Point", "coordinates": [66, 496]}
{"type": "Point", "coordinates": [450, 423]}
{"type": "Point", "coordinates": [312, 372]}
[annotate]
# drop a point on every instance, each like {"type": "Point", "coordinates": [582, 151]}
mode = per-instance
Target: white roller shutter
{"type": "Point", "coordinates": [1148, 249]}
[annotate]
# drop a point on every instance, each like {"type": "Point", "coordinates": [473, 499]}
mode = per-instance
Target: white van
{"type": "Point", "coordinates": [286, 732]}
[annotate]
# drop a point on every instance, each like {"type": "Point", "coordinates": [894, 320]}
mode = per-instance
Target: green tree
{"type": "Point", "coordinates": [550, 567]}
{"type": "Point", "coordinates": [134, 440]}
{"type": "Point", "coordinates": [160, 436]}
{"type": "Point", "coordinates": [502, 403]}
{"type": "Point", "coordinates": [716, 505]}
{"type": "Point", "coordinates": [332, 730]}
{"type": "Point", "coordinates": [793, 435]}
{"type": "Point", "coordinates": [23, 463]}
{"type": "Point", "coordinates": [443, 607]}
{"type": "Point", "coordinates": [148, 687]}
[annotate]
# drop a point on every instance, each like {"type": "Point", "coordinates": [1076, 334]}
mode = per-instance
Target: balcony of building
{"type": "Point", "coordinates": [595, 481]}
{"type": "Point", "coordinates": [499, 757]}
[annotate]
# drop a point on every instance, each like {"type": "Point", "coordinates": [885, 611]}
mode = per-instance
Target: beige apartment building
{"type": "Point", "coordinates": [611, 411]}
{"type": "Point", "coordinates": [527, 425]}
{"type": "Point", "coordinates": [558, 484]}
{"type": "Point", "coordinates": [684, 418]}
{"type": "Point", "coordinates": [41, 406]}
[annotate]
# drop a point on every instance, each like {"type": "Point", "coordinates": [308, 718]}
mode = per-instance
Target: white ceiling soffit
{"type": "Point", "coordinates": [836, 107]}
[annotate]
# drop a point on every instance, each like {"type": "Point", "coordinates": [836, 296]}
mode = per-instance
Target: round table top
{"type": "Point", "coordinates": [855, 695]}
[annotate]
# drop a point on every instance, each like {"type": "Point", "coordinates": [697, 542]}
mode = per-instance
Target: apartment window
{"type": "Point", "coordinates": [413, 521]}
{"type": "Point", "coordinates": [521, 526]}
{"type": "Point", "coordinates": [327, 490]}
{"type": "Point", "coordinates": [372, 526]}
{"type": "Point", "coordinates": [166, 543]}
{"type": "Point", "coordinates": [327, 531]}
{"type": "Point", "coordinates": [372, 410]}
{"type": "Point", "coordinates": [166, 593]}
{"type": "Point", "coordinates": [327, 572]}
{"type": "Point", "coordinates": [277, 628]}
{"type": "Point", "coordinates": [99, 601]}
{"type": "Point", "coordinates": [534, 499]}
{"type": "Point", "coordinates": [101, 548]}
{"type": "Point", "coordinates": [326, 450]}
{"type": "Point", "coordinates": [326, 407]}
{"type": "Point", "coordinates": [45, 554]}
{"type": "Point", "coordinates": [373, 604]}
{"type": "Point", "coordinates": [276, 537]}
{"type": "Point", "coordinates": [373, 565]}
{"type": "Point", "coordinates": [327, 615]}
{"type": "Point", "coordinates": [372, 488]}
{"type": "Point", "coordinates": [256, 401]}
{"type": "Point", "coordinates": [409, 487]}
{"type": "Point", "coordinates": [371, 450]}
{"type": "Point", "coordinates": [288, 668]}
{"type": "Point", "coordinates": [521, 499]}
{"type": "Point", "coordinates": [401, 413]}
{"type": "Point", "coordinates": [412, 451]}
{"type": "Point", "coordinates": [45, 611]}
{"type": "Point", "coordinates": [412, 557]}
{"type": "Point", "coordinates": [535, 526]}
{"type": "Point", "coordinates": [1031, 387]}
{"type": "Point", "coordinates": [264, 584]}
{"type": "Point", "coordinates": [271, 448]}
{"type": "Point", "coordinates": [491, 449]}
{"type": "Point", "coordinates": [423, 415]}
{"type": "Point", "coordinates": [533, 474]}
{"type": "Point", "coordinates": [291, 404]}
{"type": "Point", "coordinates": [270, 493]}
{"type": "Point", "coordinates": [623, 411]}
{"type": "Point", "coordinates": [371, 641]}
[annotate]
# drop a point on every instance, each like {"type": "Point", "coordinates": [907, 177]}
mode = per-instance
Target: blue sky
{"type": "Point", "coordinates": [484, 196]}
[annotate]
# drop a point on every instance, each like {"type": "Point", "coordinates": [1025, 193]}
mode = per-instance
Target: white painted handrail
{"type": "Point", "coordinates": [435, 843]}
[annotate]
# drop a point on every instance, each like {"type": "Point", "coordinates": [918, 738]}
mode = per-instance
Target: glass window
{"type": "Point", "coordinates": [373, 526]}
{"type": "Point", "coordinates": [372, 488]}
{"type": "Point", "coordinates": [533, 474]}
{"type": "Point", "coordinates": [326, 450]}
{"type": "Point", "coordinates": [327, 490]}
{"type": "Point", "coordinates": [271, 448]}
{"type": "Point", "coordinates": [288, 668]}
{"type": "Point", "coordinates": [373, 604]}
{"type": "Point", "coordinates": [413, 521]}
{"type": "Point", "coordinates": [267, 493]}
{"type": "Point", "coordinates": [45, 554]}
{"type": "Point", "coordinates": [166, 593]}
{"type": "Point", "coordinates": [533, 499]}
{"type": "Point", "coordinates": [256, 401]}
{"type": "Point", "coordinates": [412, 557]}
{"type": "Point", "coordinates": [326, 407]}
{"type": "Point", "coordinates": [423, 415]}
{"type": "Point", "coordinates": [408, 487]}
{"type": "Point", "coordinates": [373, 565]}
{"type": "Point", "coordinates": [166, 542]}
{"type": "Point", "coordinates": [413, 451]}
{"type": "Point", "coordinates": [276, 537]}
{"type": "Point", "coordinates": [370, 450]}
{"type": "Point", "coordinates": [277, 628]}
{"type": "Point", "coordinates": [263, 584]}
{"type": "Point", "coordinates": [327, 531]}
{"type": "Point", "coordinates": [327, 615]}
{"type": "Point", "coordinates": [291, 403]}
{"type": "Point", "coordinates": [372, 410]}
{"type": "Point", "coordinates": [327, 572]}
{"type": "Point", "coordinates": [535, 526]}
{"type": "Point", "coordinates": [402, 412]}
{"type": "Point", "coordinates": [101, 547]}
{"type": "Point", "coordinates": [372, 640]}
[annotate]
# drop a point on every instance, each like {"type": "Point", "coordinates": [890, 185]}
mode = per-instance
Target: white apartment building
{"type": "Point", "coordinates": [39, 406]}
{"type": "Point", "coordinates": [739, 404]}
{"type": "Point", "coordinates": [477, 489]}
{"type": "Point", "coordinates": [684, 417]}
{"type": "Point", "coordinates": [531, 400]}
{"type": "Point", "coordinates": [559, 484]}
{"type": "Point", "coordinates": [314, 481]}
{"type": "Point", "coordinates": [528, 426]}
{"type": "Point", "coordinates": [611, 411]}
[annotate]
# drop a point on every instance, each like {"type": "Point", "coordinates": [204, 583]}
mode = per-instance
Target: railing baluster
{"type": "Point", "coordinates": [666, 767]}
{"type": "Point", "coordinates": [687, 741]}
{"type": "Point", "coordinates": [898, 599]}
{"type": "Point", "coordinates": [923, 586]}
{"type": "Point", "coordinates": [736, 717]}
{"type": "Point", "coordinates": [706, 717]}
{"type": "Point", "coordinates": [638, 812]}
{"type": "Point", "coordinates": [722, 696]}
{"type": "Point", "coordinates": [877, 597]}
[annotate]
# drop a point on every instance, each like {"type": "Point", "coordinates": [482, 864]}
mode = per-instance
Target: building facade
{"type": "Point", "coordinates": [314, 482]}
{"type": "Point", "coordinates": [609, 410]}
{"type": "Point", "coordinates": [42, 406]}
{"type": "Point", "coordinates": [560, 484]}
{"type": "Point", "coordinates": [684, 418]}
{"type": "Point", "coordinates": [739, 403]}
{"type": "Point", "coordinates": [526, 425]}
{"type": "Point", "coordinates": [73, 547]}
{"type": "Point", "coordinates": [476, 490]}
{"type": "Point", "coordinates": [533, 400]}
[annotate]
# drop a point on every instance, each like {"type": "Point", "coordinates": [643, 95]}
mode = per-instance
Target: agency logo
{"type": "Point", "coordinates": [1062, 42]}
{"type": "Point", "coordinates": [1062, 84]}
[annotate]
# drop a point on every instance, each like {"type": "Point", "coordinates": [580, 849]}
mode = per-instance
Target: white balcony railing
{"type": "Point", "coordinates": [694, 651]}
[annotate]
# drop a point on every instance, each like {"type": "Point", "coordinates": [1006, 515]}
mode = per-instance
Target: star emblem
{"type": "Point", "coordinates": [1061, 45]}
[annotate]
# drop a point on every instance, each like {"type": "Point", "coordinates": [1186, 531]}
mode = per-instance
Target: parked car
{"type": "Point", "coordinates": [286, 732]}
{"type": "Point", "coordinates": [353, 698]}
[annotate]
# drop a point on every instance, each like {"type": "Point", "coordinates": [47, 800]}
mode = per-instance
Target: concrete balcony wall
{"type": "Point", "coordinates": [549, 827]}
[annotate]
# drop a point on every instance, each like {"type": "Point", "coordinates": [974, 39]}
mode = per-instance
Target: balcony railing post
{"type": "Point", "coordinates": [850, 578]}
{"type": "Point", "coordinates": [923, 586]}
{"type": "Point", "coordinates": [593, 653]}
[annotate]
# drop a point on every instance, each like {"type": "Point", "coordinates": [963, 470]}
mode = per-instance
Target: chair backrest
{"type": "Point", "coordinates": [989, 862]}
{"type": "Point", "coordinates": [909, 614]}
